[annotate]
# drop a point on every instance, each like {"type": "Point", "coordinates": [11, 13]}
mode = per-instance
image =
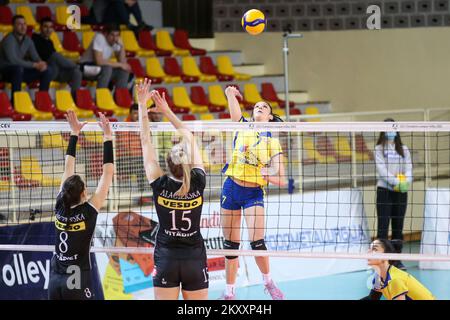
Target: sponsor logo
{"type": "Point", "coordinates": [20, 272]}
{"type": "Point", "coordinates": [216, 264]}
{"type": "Point", "coordinates": [211, 222]}
{"type": "Point", "coordinates": [5, 125]}
{"type": "Point", "coordinates": [80, 226]}
{"type": "Point", "coordinates": [180, 204]}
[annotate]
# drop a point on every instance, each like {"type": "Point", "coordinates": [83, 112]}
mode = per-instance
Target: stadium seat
{"type": "Point", "coordinates": [43, 12]}
{"type": "Point", "coordinates": [324, 143]}
{"type": "Point", "coordinates": [105, 101]}
{"type": "Point", "coordinates": [172, 68]}
{"type": "Point", "coordinates": [59, 48]}
{"type": "Point", "coordinates": [123, 98]}
{"type": "Point", "coordinates": [189, 117]}
{"type": "Point", "coordinates": [155, 71]}
{"type": "Point", "coordinates": [343, 148]}
{"type": "Point", "coordinates": [268, 93]}
{"type": "Point", "coordinates": [224, 115]}
{"type": "Point", "coordinates": [207, 67]}
{"type": "Point", "coordinates": [313, 155]}
{"type": "Point", "coordinates": [181, 100]}
{"type": "Point", "coordinates": [23, 104]}
{"type": "Point", "coordinates": [225, 67]}
{"type": "Point", "coordinates": [217, 99]}
{"type": "Point", "coordinates": [132, 47]}
{"type": "Point", "coordinates": [279, 111]}
{"type": "Point", "coordinates": [54, 140]}
{"type": "Point", "coordinates": [190, 69]}
{"type": "Point", "coordinates": [7, 111]}
{"type": "Point", "coordinates": [361, 148]}
{"type": "Point", "coordinates": [295, 111]}
{"type": "Point", "coordinates": [5, 19]}
{"type": "Point", "coordinates": [181, 40]}
{"type": "Point", "coordinates": [164, 42]}
{"type": "Point", "coordinates": [252, 96]}
{"type": "Point", "coordinates": [198, 96]}
{"type": "Point", "coordinates": [312, 111]}
{"type": "Point", "coordinates": [138, 70]}
{"type": "Point", "coordinates": [207, 117]}
{"type": "Point", "coordinates": [86, 38]}
{"type": "Point", "coordinates": [31, 170]}
{"type": "Point", "coordinates": [64, 103]}
{"type": "Point", "coordinates": [26, 12]}
{"type": "Point", "coordinates": [84, 101]}
{"type": "Point", "coordinates": [71, 42]}
{"type": "Point", "coordinates": [147, 43]}
{"type": "Point", "coordinates": [170, 101]}
{"type": "Point", "coordinates": [43, 102]}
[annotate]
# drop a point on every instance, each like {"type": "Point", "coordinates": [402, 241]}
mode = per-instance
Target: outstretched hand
{"type": "Point", "coordinates": [75, 125]}
{"type": "Point", "coordinates": [106, 127]}
{"type": "Point", "coordinates": [143, 92]}
{"type": "Point", "coordinates": [232, 91]}
{"type": "Point", "coordinates": [161, 104]}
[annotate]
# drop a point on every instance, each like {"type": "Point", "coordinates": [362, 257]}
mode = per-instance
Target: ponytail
{"type": "Point", "coordinates": [178, 161]}
{"type": "Point", "coordinates": [72, 189]}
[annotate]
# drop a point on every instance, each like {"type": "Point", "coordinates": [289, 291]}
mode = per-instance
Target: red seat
{"type": "Point", "coordinates": [43, 12]}
{"type": "Point", "coordinates": [188, 117]}
{"type": "Point", "coordinates": [295, 112]}
{"type": "Point", "coordinates": [169, 100]}
{"type": "Point", "coordinates": [84, 101]}
{"type": "Point", "coordinates": [71, 42]}
{"type": "Point", "coordinates": [43, 102]}
{"type": "Point", "coordinates": [6, 15]}
{"type": "Point", "coordinates": [198, 96]}
{"type": "Point", "coordinates": [172, 68]}
{"type": "Point", "coordinates": [361, 147]}
{"type": "Point", "coordinates": [268, 93]}
{"type": "Point", "coordinates": [123, 98]}
{"type": "Point", "coordinates": [7, 111]}
{"type": "Point", "coordinates": [139, 72]}
{"type": "Point", "coordinates": [207, 67]}
{"type": "Point", "coordinates": [224, 115]}
{"type": "Point", "coordinates": [146, 42]}
{"type": "Point", "coordinates": [325, 148]}
{"type": "Point", "coordinates": [84, 11]}
{"type": "Point", "coordinates": [181, 40]}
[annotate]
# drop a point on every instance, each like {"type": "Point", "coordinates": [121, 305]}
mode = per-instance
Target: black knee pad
{"type": "Point", "coordinates": [258, 245]}
{"type": "Point", "coordinates": [230, 245]}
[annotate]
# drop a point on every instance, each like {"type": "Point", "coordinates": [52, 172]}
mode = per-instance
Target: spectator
{"type": "Point", "coordinates": [64, 70]}
{"type": "Point", "coordinates": [19, 60]}
{"type": "Point", "coordinates": [103, 47]}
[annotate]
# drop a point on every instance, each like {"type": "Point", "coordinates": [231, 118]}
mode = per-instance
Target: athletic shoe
{"type": "Point", "coordinates": [273, 290]}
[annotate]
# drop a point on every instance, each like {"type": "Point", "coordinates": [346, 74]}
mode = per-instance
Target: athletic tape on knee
{"type": "Point", "coordinates": [258, 245]}
{"type": "Point", "coordinates": [230, 245]}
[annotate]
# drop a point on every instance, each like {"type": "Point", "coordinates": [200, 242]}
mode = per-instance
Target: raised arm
{"type": "Point", "coordinates": [233, 103]}
{"type": "Point", "coordinates": [105, 182]}
{"type": "Point", "coordinates": [162, 106]}
{"type": "Point", "coordinates": [151, 164]}
{"type": "Point", "coordinates": [75, 128]}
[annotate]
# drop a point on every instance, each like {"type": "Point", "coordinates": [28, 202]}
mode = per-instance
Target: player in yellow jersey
{"type": "Point", "coordinates": [391, 282]}
{"type": "Point", "coordinates": [257, 159]}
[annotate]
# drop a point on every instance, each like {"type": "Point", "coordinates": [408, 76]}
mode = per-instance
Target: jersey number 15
{"type": "Point", "coordinates": [183, 218]}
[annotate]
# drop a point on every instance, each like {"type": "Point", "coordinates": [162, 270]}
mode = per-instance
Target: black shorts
{"type": "Point", "coordinates": [59, 287]}
{"type": "Point", "coordinates": [192, 274]}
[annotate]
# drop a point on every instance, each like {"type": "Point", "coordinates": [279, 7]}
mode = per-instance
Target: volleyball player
{"type": "Point", "coordinates": [256, 160]}
{"type": "Point", "coordinates": [180, 253]}
{"type": "Point", "coordinates": [391, 282]}
{"type": "Point", "coordinates": [76, 216]}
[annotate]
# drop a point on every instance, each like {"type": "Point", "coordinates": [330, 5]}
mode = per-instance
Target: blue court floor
{"type": "Point", "coordinates": [346, 286]}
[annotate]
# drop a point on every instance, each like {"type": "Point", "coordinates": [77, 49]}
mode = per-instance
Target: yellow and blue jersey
{"type": "Point", "coordinates": [399, 282]}
{"type": "Point", "coordinates": [252, 151]}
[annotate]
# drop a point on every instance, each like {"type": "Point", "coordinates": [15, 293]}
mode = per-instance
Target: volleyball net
{"type": "Point", "coordinates": [328, 210]}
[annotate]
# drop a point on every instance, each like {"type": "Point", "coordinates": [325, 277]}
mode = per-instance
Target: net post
{"type": "Point", "coordinates": [12, 185]}
{"type": "Point", "coordinates": [300, 161]}
{"type": "Point", "coordinates": [114, 204]}
{"type": "Point", "coordinates": [354, 169]}
{"type": "Point", "coordinates": [426, 117]}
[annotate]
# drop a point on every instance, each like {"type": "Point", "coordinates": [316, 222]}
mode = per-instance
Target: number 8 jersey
{"type": "Point", "coordinates": [179, 217]}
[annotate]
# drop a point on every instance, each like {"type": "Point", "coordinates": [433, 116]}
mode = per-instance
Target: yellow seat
{"type": "Point", "coordinates": [64, 103]}
{"type": "Point", "coordinates": [164, 42]}
{"type": "Point", "coordinates": [206, 117]}
{"type": "Point", "coordinates": [130, 43]}
{"type": "Point", "coordinates": [23, 104]}
{"type": "Point", "coordinates": [93, 137]}
{"type": "Point", "coordinates": [251, 94]}
{"type": "Point", "coordinates": [59, 48]}
{"type": "Point", "coordinates": [31, 170]}
{"type": "Point", "coordinates": [154, 69]}
{"type": "Point", "coordinates": [313, 154]}
{"type": "Point", "coordinates": [190, 68]}
{"type": "Point", "coordinates": [17, 1]}
{"type": "Point", "coordinates": [26, 12]}
{"type": "Point", "coordinates": [105, 101]}
{"type": "Point", "coordinates": [5, 185]}
{"type": "Point", "coordinates": [5, 29]}
{"type": "Point", "coordinates": [54, 140]}
{"type": "Point", "coordinates": [181, 99]}
{"type": "Point", "coordinates": [217, 96]}
{"type": "Point", "coordinates": [312, 111]}
{"type": "Point", "coordinates": [224, 66]}
{"type": "Point", "coordinates": [343, 148]}
{"type": "Point", "coordinates": [86, 38]}
{"type": "Point", "coordinates": [62, 17]}
{"type": "Point", "coordinates": [279, 111]}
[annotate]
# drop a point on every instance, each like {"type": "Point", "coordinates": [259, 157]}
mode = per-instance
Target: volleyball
{"type": "Point", "coordinates": [254, 22]}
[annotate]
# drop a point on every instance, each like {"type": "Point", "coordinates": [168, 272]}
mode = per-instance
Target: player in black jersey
{"type": "Point", "coordinates": [180, 253]}
{"type": "Point", "coordinates": [76, 216]}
